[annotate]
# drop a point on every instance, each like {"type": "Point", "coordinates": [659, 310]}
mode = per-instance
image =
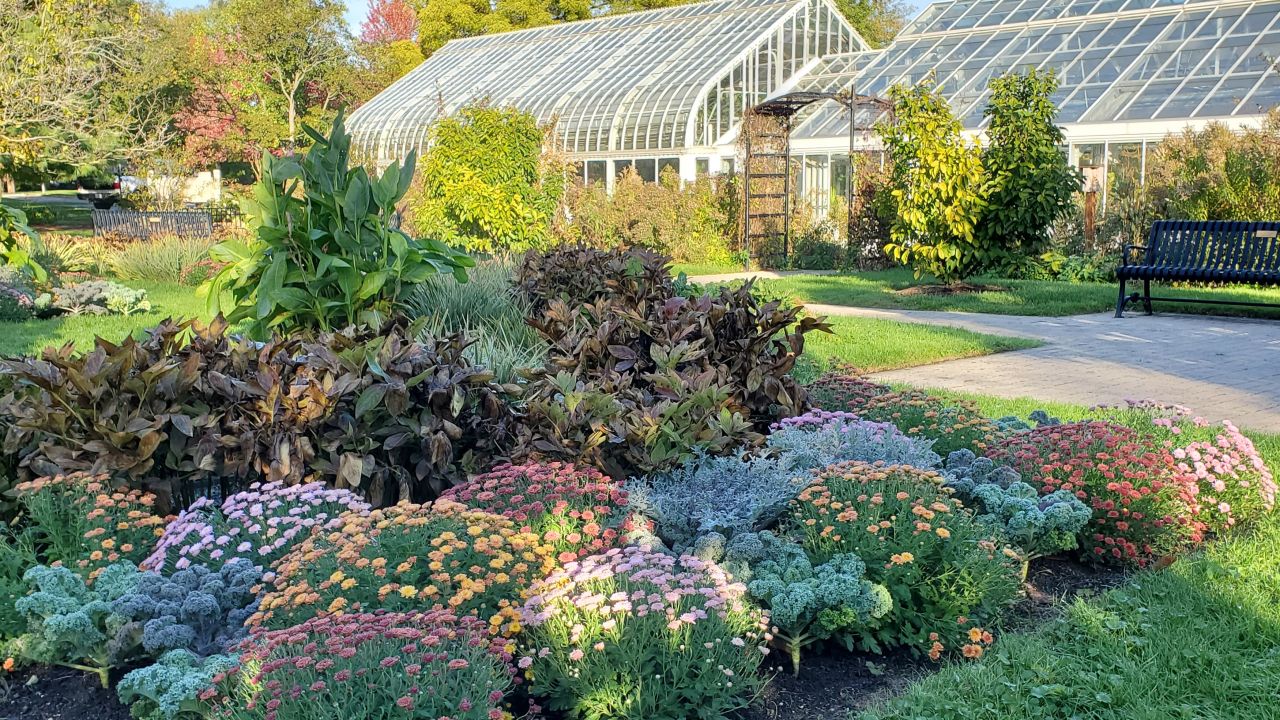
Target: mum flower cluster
{"type": "Point", "coordinates": [641, 635]}
{"type": "Point", "coordinates": [260, 524]}
{"type": "Point", "coordinates": [1142, 506]}
{"type": "Point", "coordinates": [937, 561]}
{"type": "Point", "coordinates": [368, 666]}
{"type": "Point", "coordinates": [576, 510]}
{"type": "Point", "coordinates": [87, 525]}
{"type": "Point", "coordinates": [842, 389]}
{"type": "Point", "coordinates": [1233, 485]}
{"type": "Point", "coordinates": [408, 557]}
{"type": "Point", "coordinates": [951, 424]}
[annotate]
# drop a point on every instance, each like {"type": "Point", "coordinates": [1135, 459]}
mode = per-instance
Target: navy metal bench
{"type": "Point", "coordinates": [1198, 251]}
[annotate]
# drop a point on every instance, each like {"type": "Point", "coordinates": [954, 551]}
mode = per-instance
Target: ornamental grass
{"type": "Point", "coordinates": [945, 572]}
{"type": "Point", "coordinates": [261, 524]}
{"type": "Point", "coordinates": [368, 666]}
{"type": "Point", "coordinates": [409, 557]}
{"type": "Point", "coordinates": [84, 524]}
{"type": "Point", "coordinates": [639, 635]}
{"type": "Point", "coordinates": [1143, 507]}
{"type": "Point", "coordinates": [576, 510]}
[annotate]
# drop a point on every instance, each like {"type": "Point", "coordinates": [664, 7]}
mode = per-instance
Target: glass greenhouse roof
{"type": "Point", "coordinates": [657, 80]}
{"type": "Point", "coordinates": [1119, 61]}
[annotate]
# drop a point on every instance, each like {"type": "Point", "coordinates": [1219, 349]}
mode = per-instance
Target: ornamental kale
{"type": "Point", "coordinates": [75, 626]}
{"type": "Point", "coordinates": [806, 603]}
{"type": "Point", "coordinates": [196, 609]}
{"type": "Point", "coordinates": [170, 689]}
{"type": "Point", "coordinates": [965, 471]}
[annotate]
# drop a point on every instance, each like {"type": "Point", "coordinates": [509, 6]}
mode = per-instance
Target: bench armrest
{"type": "Point", "coordinates": [1128, 252]}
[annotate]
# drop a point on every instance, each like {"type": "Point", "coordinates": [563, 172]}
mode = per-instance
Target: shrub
{"type": "Point", "coordinates": [163, 259]}
{"type": "Point", "coordinates": [406, 557]}
{"type": "Point", "coordinates": [1142, 507]}
{"type": "Point", "coordinates": [197, 609]}
{"type": "Point", "coordinates": [1029, 182]}
{"type": "Point", "coordinates": [368, 666]}
{"type": "Point", "coordinates": [944, 570]}
{"type": "Point", "coordinates": [487, 184]}
{"type": "Point", "coordinates": [577, 511]}
{"type": "Point", "coordinates": [601, 628]}
{"type": "Point", "coordinates": [1234, 486]}
{"type": "Point", "coordinates": [261, 525]}
{"type": "Point", "coordinates": [15, 235]}
{"type": "Point", "coordinates": [73, 625]}
{"type": "Point", "coordinates": [937, 185]}
{"type": "Point", "coordinates": [15, 304]}
{"type": "Point", "coordinates": [170, 689]}
{"type": "Point", "coordinates": [192, 411]}
{"type": "Point", "coordinates": [807, 603]}
{"type": "Point", "coordinates": [17, 555]}
{"type": "Point", "coordinates": [637, 388]}
{"type": "Point", "coordinates": [1217, 173]}
{"type": "Point", "coordinates": [325, 255]}
{"type": "Point", "coordinates": [584, 276]}
{"type": "Point", "coordinates": [842, 389]}
{"type": "Point", "coordinates": [200, 272]}
{"type": "Point", "coordinates": [951, 424]}
{"type": "Point", "coordinates": [691, 221]}
{"type": "Point", "coordinates": [100, 297]}
{"type": "Point", "coordinates": [80, 522]}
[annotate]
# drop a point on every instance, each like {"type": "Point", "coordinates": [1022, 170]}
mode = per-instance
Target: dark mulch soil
{"type": "Point", "coordinates": [59, 694]}
{"type": "Point", "coordinates": [959, 288]}
{"type": "Point", "coordinates": [832, 685]}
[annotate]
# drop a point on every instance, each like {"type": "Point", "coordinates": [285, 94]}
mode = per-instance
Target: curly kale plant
{"type": "Point", "coordinates": [1038, 525]}
{"type": "Point", "coordinates": [171, 688]}
{"type": "Point", "coordinates": [806, 603]}
{"type": "Point", "coordinates": [195, 609]}
{"type": "Point", "coordinates": [75, 626]}
{"type": "Point", "coordinates": [1037, 418]}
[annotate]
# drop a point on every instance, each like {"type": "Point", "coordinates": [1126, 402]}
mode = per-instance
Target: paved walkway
{"type": "Point", "coordinates": [1221, 367]}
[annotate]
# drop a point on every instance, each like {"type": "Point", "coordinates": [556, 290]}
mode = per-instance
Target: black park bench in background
{"type": "Point", "coordinates": [1198, 251]}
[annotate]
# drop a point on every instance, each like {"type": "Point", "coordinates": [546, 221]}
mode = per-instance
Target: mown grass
{"type": "Point", "coordinates": [708, 268]}
{"type": "Point", "coordinates": [167, 300]}
{"type": "Point", "coordinates": [873, 344]}
{"type": "Point", "coordinates": [1015, 297]}
{"type": "Point", "coordinates": [1199, 640]}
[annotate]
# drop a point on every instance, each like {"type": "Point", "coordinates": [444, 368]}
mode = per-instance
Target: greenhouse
{"type": "Point", "coordinates": [668, 88]}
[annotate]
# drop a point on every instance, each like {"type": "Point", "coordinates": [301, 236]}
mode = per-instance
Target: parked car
{"type": "Point", "coordinates": [104, 196]}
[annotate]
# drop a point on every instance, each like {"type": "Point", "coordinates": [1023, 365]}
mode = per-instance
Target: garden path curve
{"type": "Point", "coordinates": [1221, 367]}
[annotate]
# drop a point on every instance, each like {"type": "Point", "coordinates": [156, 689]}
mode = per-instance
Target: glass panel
{"type": "Point", "coordinates": [1227, 96]}
{"type": "Point", "coordinates": [1124, 167]}
{"type": "Point", "coordinates": [597, 171]}
{"type": "Point", "coordinates": [1264, 99]}
{"type": "Point", "coordinates": [621, 166]}
{"type": "Point", "coordinates": [702, 166]}
{"type": "Point", "coordinates": [1145, 105]}
{"type": "Point", "coordinates": [646, 168]}
{"type": "Point", "coordinates": [668, 163]}
{"type": "Point", "coordinates": [727, 166]}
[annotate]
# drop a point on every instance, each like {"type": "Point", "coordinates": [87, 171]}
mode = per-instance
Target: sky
{"type": "Point", "coordinates": [356, 9]}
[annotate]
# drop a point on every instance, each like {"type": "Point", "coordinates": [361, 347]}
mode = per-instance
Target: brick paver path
{"type": "Point", "coordinates": [1220, 367]}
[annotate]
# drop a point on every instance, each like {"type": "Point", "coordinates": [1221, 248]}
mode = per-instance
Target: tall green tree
{"type": "Point", "coordinates": [488, 183]}
{"type": "Point", "coordinates": [287, 48]}
{"type": "Point", "coordinates": [936, 185]}
{"type": "Point", "coordinates": [80, 84]}
{"type": "Point", "coordinates": [877, 21]}
{"type": "Point", "coordinates": [1029, 181]}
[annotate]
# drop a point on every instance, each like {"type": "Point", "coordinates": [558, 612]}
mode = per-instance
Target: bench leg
{"type": "Point", "coordinates": [1120, 301]}
{"type": "Point", "coordinates": [1146, 295]}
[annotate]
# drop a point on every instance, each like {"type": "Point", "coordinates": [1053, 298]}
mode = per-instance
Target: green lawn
{"type": "Point", "coordinates": [1197, 641]}
{"type": "Point", "coordinates": [692, 269]}
{"type": "Point", "coordinates": [872, 344]}
{"type": "Point", "coordinates": [65, 217]}
{"type": "Point", "coordinates": [1016, 297]}
{"type": "Point", "coordinates": [32, 336]}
